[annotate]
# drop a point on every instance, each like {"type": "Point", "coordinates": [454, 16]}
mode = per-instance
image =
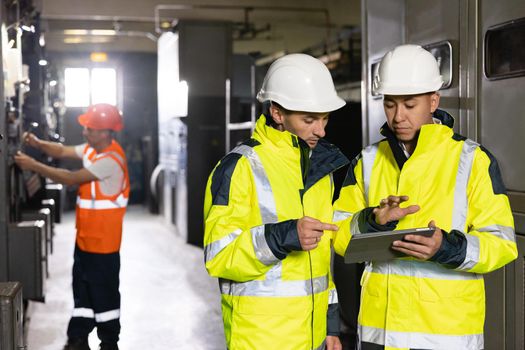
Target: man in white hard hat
{"type": "Point", "coordinates": [425, 174]}
{"type": "Point", "coordinates": [268, 213]}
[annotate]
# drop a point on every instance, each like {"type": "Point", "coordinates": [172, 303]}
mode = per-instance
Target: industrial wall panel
{"type": "Point", "coordinates": [501, 102]}
{"type": "Point", "coordinates": [495, 310]}
{"type": "Point", "coordinates": [383, 29]}
{"type": "Point", "coordinates": [515, 305]}
{"type": "Point", "coordinates": [205, 64]}
{"type": "Point", "coordinates": [433, 22]}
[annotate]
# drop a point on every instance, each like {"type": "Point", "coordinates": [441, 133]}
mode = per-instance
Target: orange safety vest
{"type": "Point", "coordinates": [99, 216]}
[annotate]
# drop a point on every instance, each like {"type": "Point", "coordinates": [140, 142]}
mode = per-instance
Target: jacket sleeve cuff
{"type": "Point", "coordinates": [332, 320]}
{"type": "Point", "coordinates": [453, 249]}
{"type": "Point", "coordinates": [367, 221]}
{"type": "Point", "coordinates": [282, 238]}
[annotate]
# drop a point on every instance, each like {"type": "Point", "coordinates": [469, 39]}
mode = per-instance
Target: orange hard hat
{"type": "Point", "coordinates": [102, 116]}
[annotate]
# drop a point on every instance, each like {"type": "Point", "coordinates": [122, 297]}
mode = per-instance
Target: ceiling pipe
{"type": "Point", "coordinates": [246, 9]}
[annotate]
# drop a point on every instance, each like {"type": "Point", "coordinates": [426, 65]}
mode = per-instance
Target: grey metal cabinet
{"type": "Point", "coordinates": [27, 257]}
{"type": "Point", "coordinates": [11, 316]}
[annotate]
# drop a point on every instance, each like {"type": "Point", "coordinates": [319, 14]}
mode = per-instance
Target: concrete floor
{"type": "Point", "coordinates": [168, 300]}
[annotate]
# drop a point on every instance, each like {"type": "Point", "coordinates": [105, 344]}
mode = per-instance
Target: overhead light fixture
{"type": "Point", "coordinates": [100, 32]}
{"type": "Point", "coordinates": [52, 83]}
{"type": "Point", "coordinates": [42, 62]}
{"type": "Point", "coordinates": [103, 32]}
{"type": "Point", "coordinates": [75, 31]}
{"type": "Point", "coordinates": [42, 40]}
{"type": "Point", "coordinates": [73, 40]}
{"type": "Point", "coordinates": [87, 40]}
{"type": "Point", "coordinates": [98, 57]}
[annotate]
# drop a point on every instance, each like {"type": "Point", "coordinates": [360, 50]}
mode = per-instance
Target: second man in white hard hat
{"type": "Point", "coordinates": [268, 214]}
{"type": "Point", "coordinates": [425, 174]}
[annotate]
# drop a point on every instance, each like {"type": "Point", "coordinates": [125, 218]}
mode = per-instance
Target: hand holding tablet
{"type": "Point", "coordinates": [377, 246]}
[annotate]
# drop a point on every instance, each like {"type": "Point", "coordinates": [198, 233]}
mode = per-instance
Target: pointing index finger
{"type": "Point", "coordinates": [328, 227]}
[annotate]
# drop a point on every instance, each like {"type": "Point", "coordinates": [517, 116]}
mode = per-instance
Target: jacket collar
{"type": "Point", "coordinates": [324, 158]}
{"type": "Point", "coordinates": [429, 138]}
{"type": "Point", "coordinates": [280, 139]}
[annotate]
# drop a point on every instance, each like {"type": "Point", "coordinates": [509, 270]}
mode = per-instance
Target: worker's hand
{"type": "Point", "coordinates": [31, 139]}
{"type": "Point", "coordinates": [333, 343]}
{"type": "Point", "coordinates": [24, 162]}
{"type": "Point", "coordinates": [420, 247]}
{"type": "Point", "coordinates": [389, 209]}
{"type": "Point", "coordinates": [310, 231]}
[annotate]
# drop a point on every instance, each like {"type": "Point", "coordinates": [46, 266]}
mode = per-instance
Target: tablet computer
{"type": "Point", "coordinates": [377, 246]}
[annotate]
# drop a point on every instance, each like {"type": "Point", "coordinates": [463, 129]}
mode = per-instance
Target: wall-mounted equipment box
{"type": "Point", "coordinates": [45, 215]}
{"type": "Point", "coordinates": [11, 316]}
{"type": "Point", "coordinates": [27, 242]}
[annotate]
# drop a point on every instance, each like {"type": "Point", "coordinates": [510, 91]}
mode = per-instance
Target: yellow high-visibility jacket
{"type": "Point", "coordinates": [440, 304]}
{"type": "Point", "coordinates": [258, 189]}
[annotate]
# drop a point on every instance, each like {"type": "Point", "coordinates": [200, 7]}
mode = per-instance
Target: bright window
{"type": "Point", "coordinates": [77, 87]}
{"type": "Point", "coordinates": [104, 85]}
{"type": "Point", "coordinates": [88, 86]}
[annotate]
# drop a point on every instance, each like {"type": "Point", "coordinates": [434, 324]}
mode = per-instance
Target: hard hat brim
{"type": "Point", "coordinates": [305, 106]}
{"type": "Point", "coordinates": [409, 90]}
{"type": "Point", "coordinates": [83, 120]}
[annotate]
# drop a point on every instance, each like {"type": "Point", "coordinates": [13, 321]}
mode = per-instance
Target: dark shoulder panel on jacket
{"type": "Point", "coordinates": [251, 142]}
{"type": "Point", "coordinates": [458, 137]}
{"type": "Point", "coordinates": [495, 175]}
{"type": "Point", "coordinates": [350, 175]}
{"type": "Point", "coordinates": [221, 179]}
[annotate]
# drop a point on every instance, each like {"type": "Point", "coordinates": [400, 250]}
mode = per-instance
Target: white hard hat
{"type": "Point", "coordinates": [408, 70]}
{"type": "Point", "coordinates": [300, 82]}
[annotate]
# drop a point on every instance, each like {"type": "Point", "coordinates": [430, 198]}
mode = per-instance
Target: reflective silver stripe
{"type": "Point", "coordinates": [340, 215]}
{"type": "Point", "coordinates": [86, 162]}
{"type": "Point", "coordinates": [322, 346]}
{"type": "Point", "coordinates": [354, 225]}
{"type": "Point", "coordinates": [419, 340]}
{"type": "Point", "coordinates": [83, 312]}
{"type": "Point", "coordinates": [93, 190]}
{"type": "Point", "coordinates": [211, 250]}
{"type": "Point", "coordinates": [368, 159]}
{"type": "Point", "coordinates": [459, 212]}
{"type": "Point", "coordinates": [119, 202]}
{"type": "Point", "coordinates": [262, 184]}
{"type": "Point", "coordinates": [419, 269]}
{"type": "Point", "coordinates": [114, 154]}
{"type": "Point", "coordinates": [472, 256]}
{"type": "Point", "coordinates": [504, 232]}
{"type": "Point", "coordinates": [332, 296]}
{"type": "Point", "coordinates": [107, 316]}
{"type": "Point", "coordinates": [275, 287]}
{"type": "Point", "coordinates": [260, 245]}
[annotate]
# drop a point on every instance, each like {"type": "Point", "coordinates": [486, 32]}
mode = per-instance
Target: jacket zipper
{"type": "Point", "coordinates": [305, 159]}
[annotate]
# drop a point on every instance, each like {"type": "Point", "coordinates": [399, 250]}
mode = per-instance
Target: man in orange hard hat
{"type": "Point", "coordinates": [101, 204]}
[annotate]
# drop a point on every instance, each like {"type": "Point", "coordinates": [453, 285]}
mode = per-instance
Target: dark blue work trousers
{"type": "Point", "coordinates": [96, 295]}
